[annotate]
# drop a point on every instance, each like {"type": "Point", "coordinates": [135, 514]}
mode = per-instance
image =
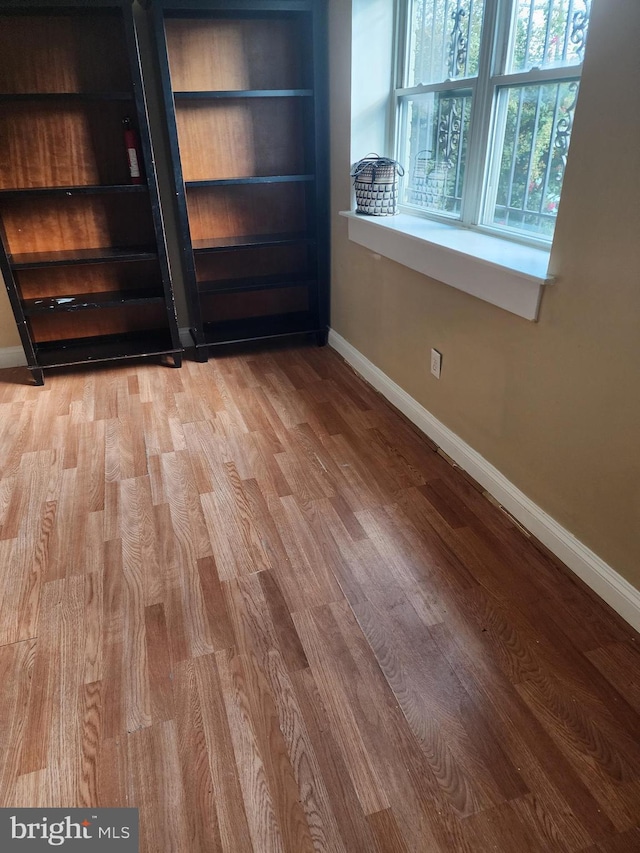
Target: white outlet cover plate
{"type": "Point", "coordinates": [436, 363]}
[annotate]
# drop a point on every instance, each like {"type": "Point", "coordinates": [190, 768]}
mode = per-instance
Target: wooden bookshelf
{"type": "Point", "coordinates": [244, 90]}
{"type": "Point", "coordinates": [83, 249]}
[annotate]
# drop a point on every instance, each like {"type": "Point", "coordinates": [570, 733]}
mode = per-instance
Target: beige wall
{"type": "Point", "coordinates": [8, 331]}
{"type": "Point", "coordinates": [554, 405]}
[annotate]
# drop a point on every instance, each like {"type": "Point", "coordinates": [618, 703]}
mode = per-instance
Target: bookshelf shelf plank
{"type": "Point", "coordinates": [246, 285]}
{"type": "Point", "coordinates": [70, 257]}
{"type": "Point", "coordinates": [243, 93]}
{"type": "Point", "coordinates": [76, 189]}
{"type": "Point", "coordinates": [85, 301]}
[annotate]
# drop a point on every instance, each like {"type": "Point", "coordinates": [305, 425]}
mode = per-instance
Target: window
{"type": "Point", "coordinates": [485, 107]}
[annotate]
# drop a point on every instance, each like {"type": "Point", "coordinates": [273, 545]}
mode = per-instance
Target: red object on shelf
{"type": "Point", "coordinates": [134, 154]}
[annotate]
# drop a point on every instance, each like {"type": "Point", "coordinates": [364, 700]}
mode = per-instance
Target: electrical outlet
{"type": "Point", "coordinates": [436, 363]}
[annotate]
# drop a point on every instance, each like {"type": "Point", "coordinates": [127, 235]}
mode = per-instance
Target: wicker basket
{"type": "Point", "coordinates": [376, 185]}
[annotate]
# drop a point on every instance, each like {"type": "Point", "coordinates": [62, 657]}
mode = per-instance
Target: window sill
{"type": "Point", "coordinates": [498, 271]}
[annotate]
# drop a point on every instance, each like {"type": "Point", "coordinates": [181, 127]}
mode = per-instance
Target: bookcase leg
{"type": "Point", "coordinates": [38, 375]}
{"type": "Point", "coordinates": [202, 354]}
{"type": "Point", "coordinates": [322, 338]}
{"type": "Point", "coordinates": [177, 359]}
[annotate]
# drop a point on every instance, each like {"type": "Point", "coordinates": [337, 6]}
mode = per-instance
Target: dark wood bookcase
{"type": "Point", "coordinates": [83, 250]}
{"type": "Point", "coordinates": [244, 85]}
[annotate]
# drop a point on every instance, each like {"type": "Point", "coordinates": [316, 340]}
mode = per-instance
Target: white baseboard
{"type": "Point", "coordinates": [12, 357]}
{"type": "Point", "coordinates": [185, 337]}
{"type": "Point", "coordinates": [602, 578]}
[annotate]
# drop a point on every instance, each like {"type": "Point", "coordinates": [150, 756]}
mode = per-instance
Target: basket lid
{"type": "Point", "coordinates": [374, 161]}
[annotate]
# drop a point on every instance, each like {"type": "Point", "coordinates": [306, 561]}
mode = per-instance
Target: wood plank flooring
{"type": "Point", "coordinates": [249, 599]}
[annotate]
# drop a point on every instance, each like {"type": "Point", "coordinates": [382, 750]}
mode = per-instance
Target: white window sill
{"type": "Point", "coordinates": [498, 271]}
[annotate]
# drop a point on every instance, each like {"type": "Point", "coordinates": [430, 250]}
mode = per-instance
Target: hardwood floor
{"type": "Point", "coordinates": [248, 598]}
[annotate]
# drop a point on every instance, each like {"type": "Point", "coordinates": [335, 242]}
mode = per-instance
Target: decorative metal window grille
{"type": "Point", "coordinates": [485, 108]}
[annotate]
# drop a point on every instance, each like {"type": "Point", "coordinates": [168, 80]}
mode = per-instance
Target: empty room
{"type": "Point", "coordinates": [320, 426]}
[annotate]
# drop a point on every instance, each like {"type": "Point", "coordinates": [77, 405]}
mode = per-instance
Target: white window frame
{"type": "Point", "coordinates": [508, 273]}
{"type": "Point", "coordinates": [481, 170]}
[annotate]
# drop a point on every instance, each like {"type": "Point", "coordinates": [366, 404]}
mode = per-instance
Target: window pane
{"type": "Point", "coordinates": [436, 151]}
{"type": "Point", "coordinates": [534, 129]}
{"type": "Point", "coordinates": [548, 34]}
{"type": "Point", "coordinates": [444, 40]}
